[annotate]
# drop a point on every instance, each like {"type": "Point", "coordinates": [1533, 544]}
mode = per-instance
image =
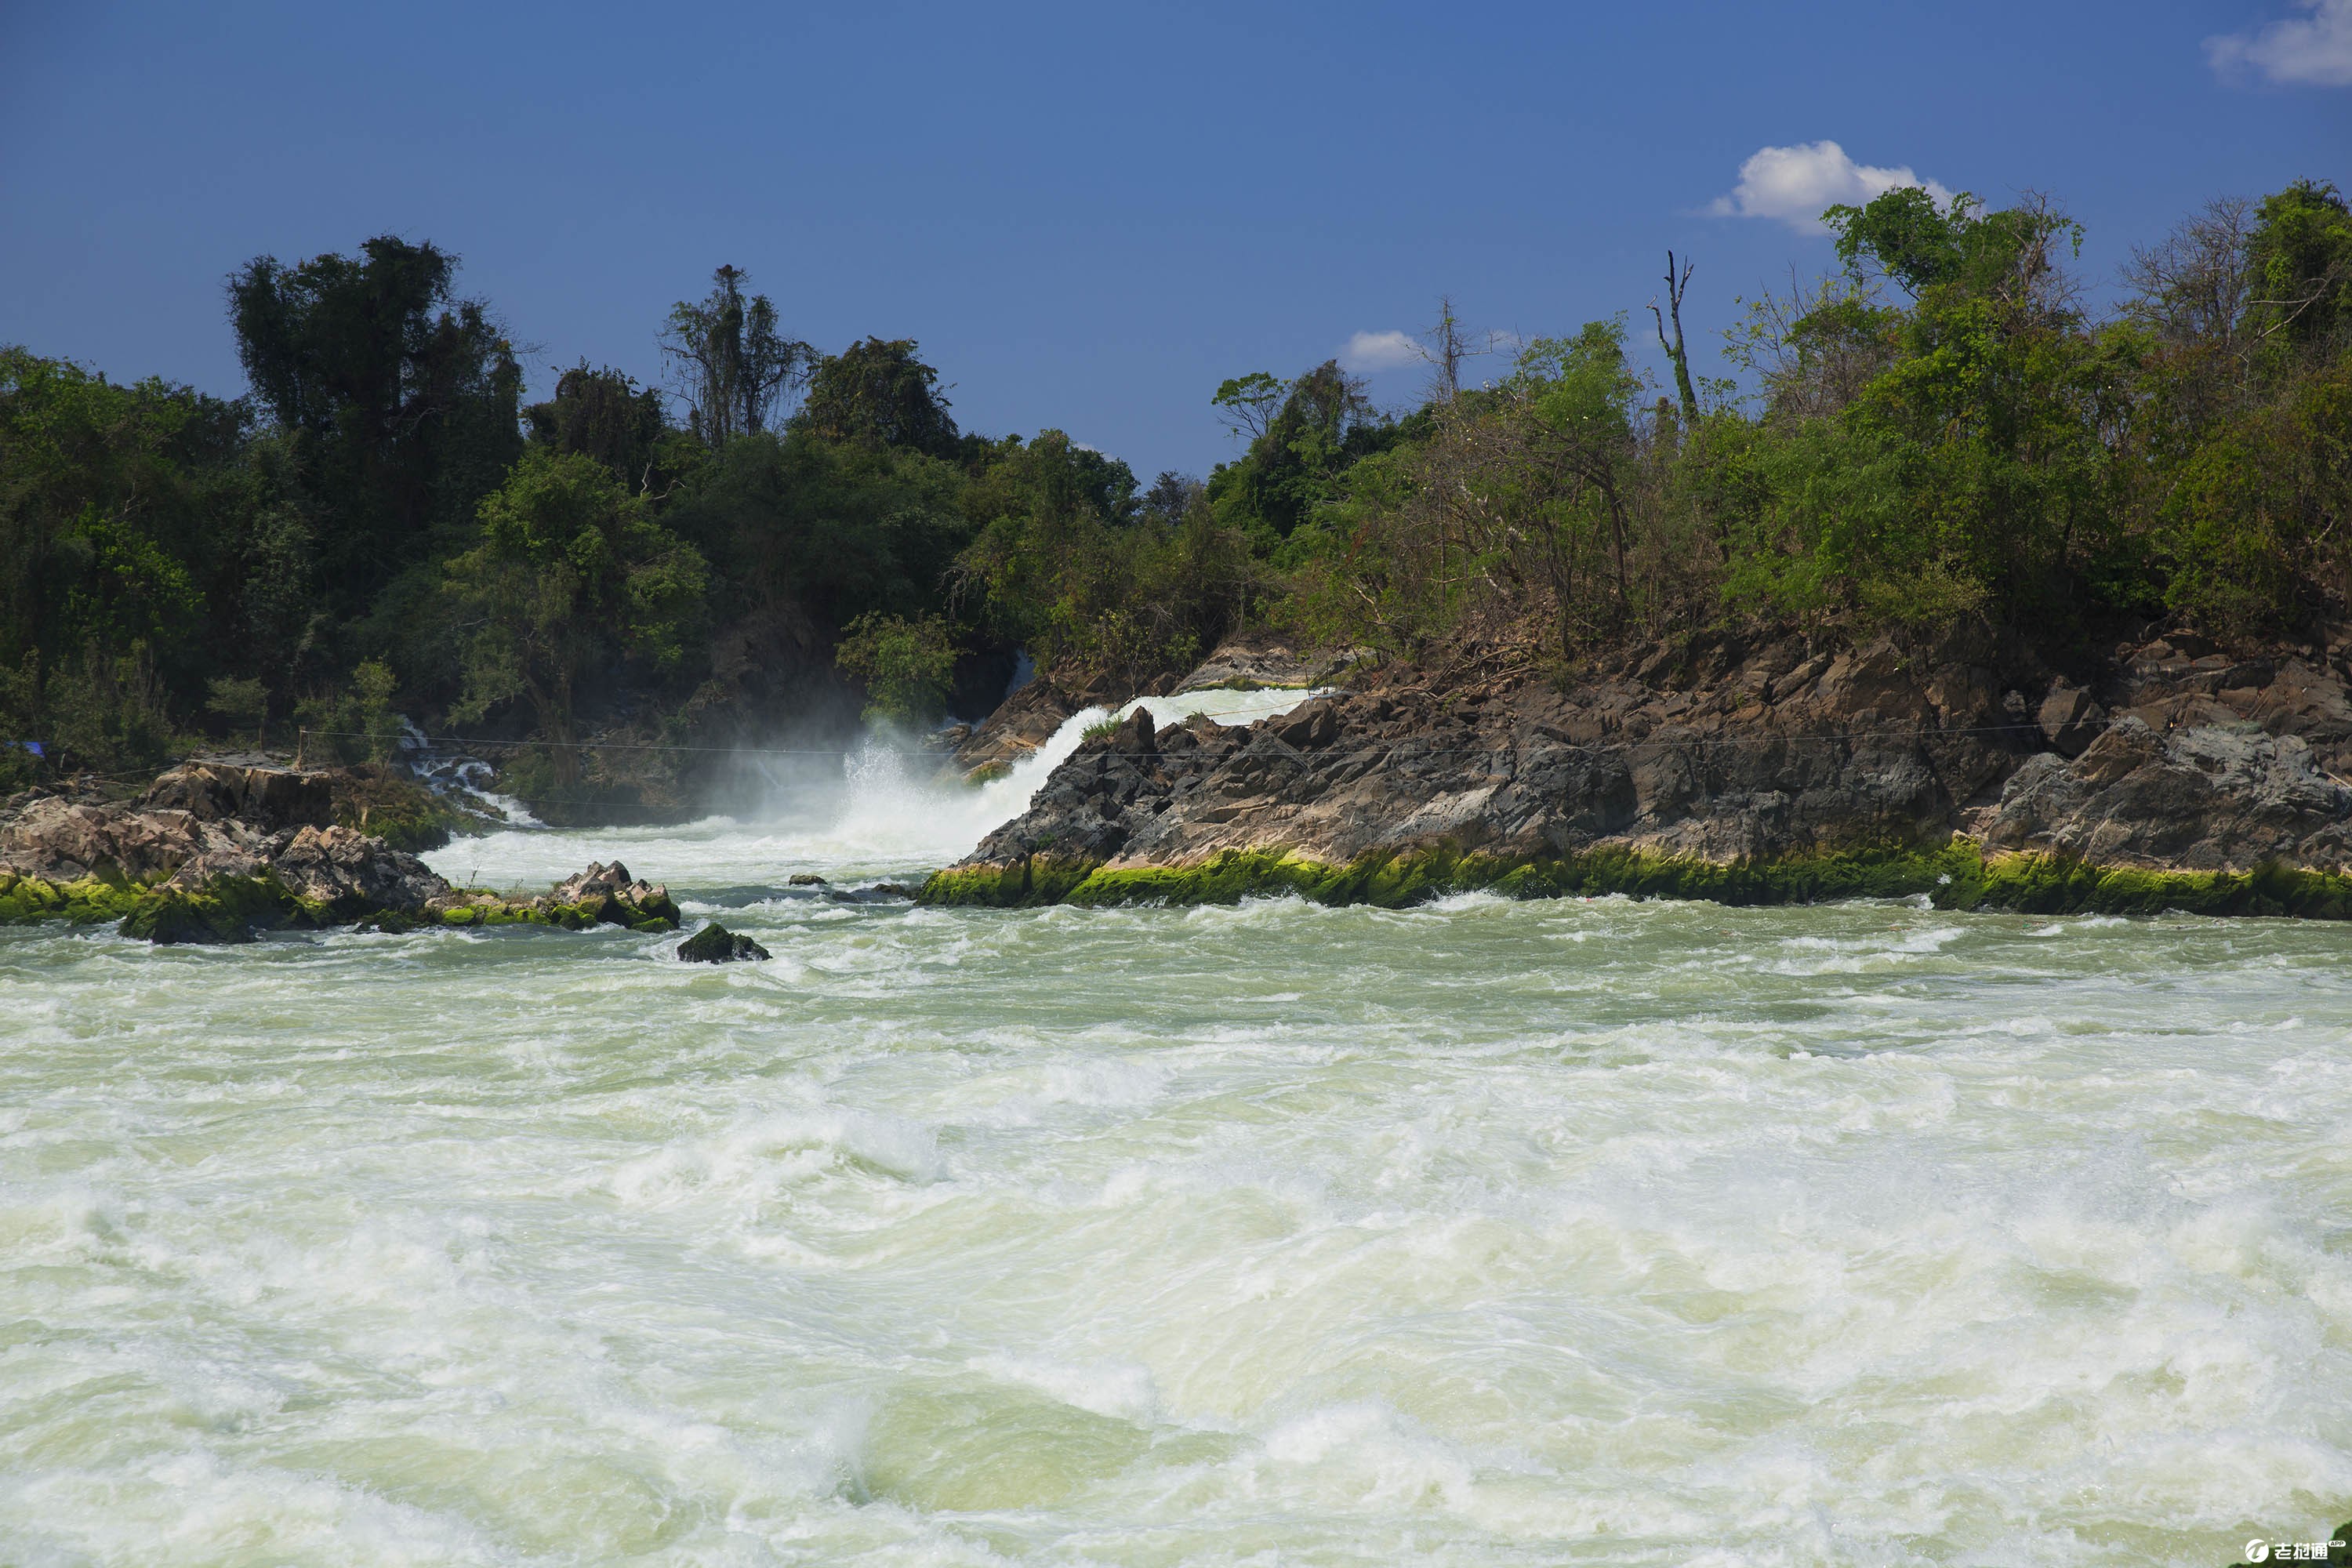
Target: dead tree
{"type": "Point", "coordinates": [1677, 284]}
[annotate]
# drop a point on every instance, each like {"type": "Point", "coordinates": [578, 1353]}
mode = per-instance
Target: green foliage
{"type": "Point", "coordinates": [907, 666]}
{"type": "Point", "coordinates": [845, 530]}
{"type": "Point", "coordinates": [570, 574]}
{"type": "Point", "coordinates": [243, 702]}
{"type": "Point", "coordinates": [2299, 260]}
{"type": "Point", "coordinates": [1072, 566]}
{"type": "Point", "coordinates": [107, 711]}
{"type": "Point", "coordinates": [352, 722]}
{"type": "Point", "coordinates": [400, 401]}
{"type": "Point", "coordinates": [1902, 234]}
{"type": "Point", "coordinates": [605, 415]}
{"type": "Point", "coordinates": [1306, 433]}
{"type": "Point", "coordinates": [877, 394]}
{"type": "Point", "coordinates": [734, 366]}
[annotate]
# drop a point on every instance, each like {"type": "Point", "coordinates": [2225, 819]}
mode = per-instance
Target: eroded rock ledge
{"type": "Point", "coordinates": [215, 853]}
{"type": "Point", "coordinates": [1958, 766]}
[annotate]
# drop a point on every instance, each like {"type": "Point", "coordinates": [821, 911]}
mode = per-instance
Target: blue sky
{"type": "Point", "coordinates": [1090, 215]}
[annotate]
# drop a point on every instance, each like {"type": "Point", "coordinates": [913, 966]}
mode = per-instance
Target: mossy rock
{"type": "Point", "coordinates": [1955, 876]}
{"type": "Point", "coordinates": [84, 902]}
{"type": "Point", "coordinates": [714, 943]}
{"type": "Point", "coordinates": [225, 910]}
{"type": "Point", "coordinates": [377, 800]}
{"type": "Point", "coordinates": [1038, 880]}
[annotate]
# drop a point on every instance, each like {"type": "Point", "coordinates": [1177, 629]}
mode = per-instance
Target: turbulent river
{"type": "Point", "coordinates": [1478, 1233]}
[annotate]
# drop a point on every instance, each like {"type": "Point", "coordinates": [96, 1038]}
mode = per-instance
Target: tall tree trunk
{"type": "Point", "coordinates": [1677, 284]}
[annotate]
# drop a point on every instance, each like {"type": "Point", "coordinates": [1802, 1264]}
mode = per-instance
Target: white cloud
{"type": "Point", "coordinates": [1369, 351]}
{"type": "Point", "coordinates": [2313, 52]}
{"type": "Point", "coordinates": [1795, 183]}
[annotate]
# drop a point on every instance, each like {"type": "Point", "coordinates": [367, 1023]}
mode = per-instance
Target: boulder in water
{"type": "Point", "coordinates": [714, 943]}
{"type": "Point", "coordinates": [608, 895]}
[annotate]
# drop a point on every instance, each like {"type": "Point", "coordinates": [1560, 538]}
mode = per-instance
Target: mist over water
{"type": "Point", "coordinates": [1480, 1233]}
{"type": "Point", "coordinates": [887, 809]}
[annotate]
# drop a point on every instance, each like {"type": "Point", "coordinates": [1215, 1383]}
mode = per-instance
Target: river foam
{"type": "Point", "coordinates": [1482, 1233]}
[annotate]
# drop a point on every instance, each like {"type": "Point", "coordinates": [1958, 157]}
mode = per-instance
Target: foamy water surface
{"type": "Point", "coordinates": [1481, 1233]}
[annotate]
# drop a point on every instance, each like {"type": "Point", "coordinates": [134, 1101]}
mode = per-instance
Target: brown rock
{"type": "Point", "coordinates": [2070, 720]}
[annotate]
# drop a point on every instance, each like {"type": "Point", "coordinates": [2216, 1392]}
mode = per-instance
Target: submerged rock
{"type": "Point", "coordinates": [714, 943]}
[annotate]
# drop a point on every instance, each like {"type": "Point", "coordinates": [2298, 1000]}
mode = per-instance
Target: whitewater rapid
{"type": "Point", "coordinates": [890, 817]}
{"type": "Point", "coordinates": [1482, 1233]}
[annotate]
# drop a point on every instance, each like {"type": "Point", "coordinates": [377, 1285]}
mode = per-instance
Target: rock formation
{"type": "Point", "coordinates": [1959, 764]}
{"type": "Point", "coordinates": [215, 853]}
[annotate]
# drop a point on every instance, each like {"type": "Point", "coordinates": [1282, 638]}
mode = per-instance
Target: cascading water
{"type": "Point", "coordinates": [890, 815]}
{"type": "Point", "coordinates": [456, 777]}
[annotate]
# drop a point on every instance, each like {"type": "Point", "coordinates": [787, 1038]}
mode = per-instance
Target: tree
{"type": "Point", "coordinates": [877, 394]}
{"type": "Point", "coordinates": [126, 514]}
{"type": "Point", "coordinates": [242, 702]}
{"type": "Point", "coordinates": [403, 400]}
{"type": "Point", "coordinates": [1249, 402]}
{"type": "Point", "coordinates": [1902, 234]}
{"type": "Point", "coordinates": [908, 666]}
{"type": "Point", "coordinates": [603, 414]}
{"type": "Point", "coordinates": [1677, 283]}
{"type": "Point", "coordinates": [1317, 425]}
{"type": "Point", "coordinates": [2299, 253]}
{"type": "Point", "coordinates": [733, 366]}
{"type": "Point", "coordinates": [570, 575]}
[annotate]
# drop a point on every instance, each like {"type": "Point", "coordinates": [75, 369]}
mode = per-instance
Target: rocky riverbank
{"type": "Point", "coordinates": [218, 852]}
{"type": "Point", "coordinates": [2168, 775]}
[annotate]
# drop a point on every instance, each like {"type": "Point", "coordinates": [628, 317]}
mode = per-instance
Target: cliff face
{"type": "Point", "coordinates": [1722, 765]}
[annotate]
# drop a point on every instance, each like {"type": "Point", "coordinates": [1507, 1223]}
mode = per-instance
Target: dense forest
{"type": "Point", "coordinates": [382, 529]}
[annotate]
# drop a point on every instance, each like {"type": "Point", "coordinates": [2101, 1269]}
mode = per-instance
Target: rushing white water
{"type": "Point", "coordinates": [892, 818]}
{"type": "Point", "coordinates": [1481, 1233]}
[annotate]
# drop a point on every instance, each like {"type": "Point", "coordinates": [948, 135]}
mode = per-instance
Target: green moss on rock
{"type": "Point", "coordinates": [225, 910]}
{"type": "Point", "coordinates": [86, 902]}
{"type": "Point", "coordinates": [1955, 876]}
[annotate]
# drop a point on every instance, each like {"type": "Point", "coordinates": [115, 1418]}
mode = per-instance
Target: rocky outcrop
{"type": "Point", "coordinates": [1257, 659]}
{"type": "Point", "coordinates": [2202, 799]}
{"type": "Point", "coordinates": [257, 796]}
{"type": "Point", "coordinates": [216, 854]}
{"type": "Point", "coordinates": [1022, 723]}
{"type": "Point", "coordinates": [1706, 757]}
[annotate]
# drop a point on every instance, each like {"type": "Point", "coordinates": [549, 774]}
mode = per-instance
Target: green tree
{"type": "Point", "coordinates": [605, 415]}
{"type": "Point", "coordinates": [242, 702]}
{"type": "Point", "coordinates": [1322, 423]}
{"type": "Point", "coordinates": [400, 399]}
{"type": "Point", "coordinates": [908, 666]}
{"type": "Point", "coordinates": [2299, 256]}
{"type": "Point", "coordinates": [825, 529]}
{"type": "Point", "coordinates": [127, 514]}
{"type": "Point", "coordinates": [877, 394]}
{"type": "Point", "coordinates": [570, 575]}
{"type": "Point", "coordinates": [733, 366]}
